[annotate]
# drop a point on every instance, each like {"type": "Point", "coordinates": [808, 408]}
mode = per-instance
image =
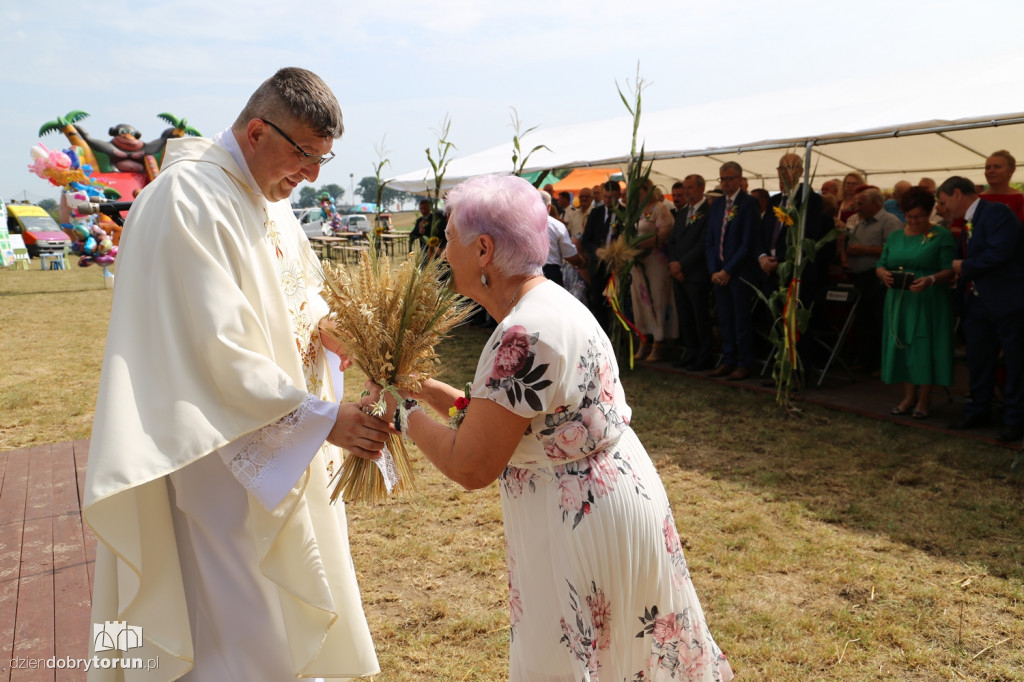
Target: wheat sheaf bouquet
{"type": "Point", "coordinates": [389, 316]}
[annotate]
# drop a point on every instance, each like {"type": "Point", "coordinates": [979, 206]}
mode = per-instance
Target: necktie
{"type": "Point", "coordinates": [725, 223]}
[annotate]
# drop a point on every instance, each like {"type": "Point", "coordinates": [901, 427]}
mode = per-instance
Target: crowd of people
{"type": "Point", "coordinates": [933, 266]}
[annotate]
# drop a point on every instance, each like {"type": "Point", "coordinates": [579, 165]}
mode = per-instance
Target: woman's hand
{"type": "Point", "coordinates": [885, 276]}
{"type": "Point", "coordinates": [921, 283]}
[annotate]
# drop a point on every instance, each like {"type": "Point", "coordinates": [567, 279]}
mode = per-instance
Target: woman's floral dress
{"type": "Point", "coordinates": [598, 586]}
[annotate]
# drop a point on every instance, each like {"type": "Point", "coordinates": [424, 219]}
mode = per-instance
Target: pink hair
{"type": "Point", "coordinates": [511, 212]}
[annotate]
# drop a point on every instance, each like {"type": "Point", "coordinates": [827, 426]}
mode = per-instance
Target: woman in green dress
{"type": "Point", "coordinates": [917, 340]}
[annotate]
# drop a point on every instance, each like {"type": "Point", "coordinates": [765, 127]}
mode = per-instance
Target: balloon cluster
{"type": "Point", "coordinates": [328, 214]}
{"type": "Point", "coordinates": [80, 191]}
{"type": "Point", "coordinates": [61, 168]}
{"type": "Point", "coordinates": [91, 243]}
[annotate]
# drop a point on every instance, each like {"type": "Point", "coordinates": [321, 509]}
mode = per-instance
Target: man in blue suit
{"type": "Point", "coordinates": [991, 272]}
{"type": "Point", "coordinates": [729, 246]}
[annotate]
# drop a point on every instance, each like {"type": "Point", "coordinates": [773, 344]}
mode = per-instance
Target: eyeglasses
{"type": "Point", "coordinates": [313, 159]}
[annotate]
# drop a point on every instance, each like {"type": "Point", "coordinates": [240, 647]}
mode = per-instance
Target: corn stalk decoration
{"type": "Point", "coordinates": [789, 316]}
{"type": "Point", "coordinates": [518, 159]}
{"type": "Point", "coordinates": [377, 168]}
{"type": "Point", "coordinates": [622, 254]}
{"type": "Point", "coordinates": [439, 167]}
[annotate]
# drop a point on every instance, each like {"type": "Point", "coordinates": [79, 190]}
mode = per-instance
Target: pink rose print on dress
{"type": "Point", "coordinates": [603, 474]}
{"type": "Point", "coordinates": [607, 380]}
{"type": "Point", "coordinates": [581, 635]}
{"type": "Point", "coordinates": [595, 421]}
{"type": "Point", "coordinates": [680, 572]}
{"type": "Point", "coordinates": [671, 536]}
{"type": "Point", "coordinates": [680, 644]}
{"type": "Point", "coordinates": [513, 370]}
{"type": "Point", "coordinates": [512, 353]}
{"type": "Point", "coordinates": [516, 480]}
{"type": "Point", "coordinates": [572, 497]}
{"type": "Point", "coordinates": [515, 602]}
{"type": "Point", "coordinates": [600, 614]}
{"type": "Point", "coordinates": [666, 629]}
{"type": "Point", "coordinates": [571, 438]}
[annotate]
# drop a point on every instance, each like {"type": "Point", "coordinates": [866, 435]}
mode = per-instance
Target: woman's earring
{"type": "Point", "coordinates": [483, 278]}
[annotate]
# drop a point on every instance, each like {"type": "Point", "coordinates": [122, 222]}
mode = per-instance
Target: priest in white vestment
{"type": "Point", "coordinates": [216, 426]}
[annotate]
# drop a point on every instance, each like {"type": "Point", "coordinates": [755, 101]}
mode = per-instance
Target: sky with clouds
{"type": "Point", "coordinates": [399, 67]}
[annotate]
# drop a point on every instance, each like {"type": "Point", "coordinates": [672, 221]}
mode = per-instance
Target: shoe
{"type": "Point", "coordinates": [685, 362]}
{"type": "Point", "coordinates": [740, 374]}
{"type": "Point", "coordinates": [975, 421]}
{"type": "Point", "coordinates": [643, 351]}
{"type": "Point", "coordinates": [918, 414]}
{"type": "Point", "coordinates": [723, 370]}
{"type": "Point", "coordinates": [655, 354]}
{"type": "Point", "coordinates": [1010, 434]}
{"type": "Point", "coordinates": [898, 412]}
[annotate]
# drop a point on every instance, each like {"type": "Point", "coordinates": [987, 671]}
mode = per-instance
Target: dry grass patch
{"type": "Point", "coordinates": [825, 548]}
{"type": "Point", "coordinates": [53, 325]}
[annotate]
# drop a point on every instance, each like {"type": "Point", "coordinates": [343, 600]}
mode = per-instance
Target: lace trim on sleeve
{"type": "Point", "coordinates": [257, 459]}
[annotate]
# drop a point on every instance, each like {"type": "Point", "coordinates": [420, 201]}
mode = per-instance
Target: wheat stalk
{"type": "Point", "coordinates": [618, 254]}
{"type": "Point", "coordinates": [389, 317]}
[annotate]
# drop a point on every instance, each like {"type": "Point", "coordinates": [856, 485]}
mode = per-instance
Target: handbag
{"type": "Point", "coordinates": [902, 279]}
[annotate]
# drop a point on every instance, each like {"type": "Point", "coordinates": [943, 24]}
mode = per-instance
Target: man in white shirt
{"type": "Point", "coordinates": [576, 216]}
{"type": "Point", "coordinates": [216, 424]}
{"type": "Point", "coordinates": [864, 242]}
{"type": "Point", "coordinates": [560, 247]}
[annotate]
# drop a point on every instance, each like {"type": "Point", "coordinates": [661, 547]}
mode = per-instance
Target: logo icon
{"type": "Point", "coordinates": [115, 635]}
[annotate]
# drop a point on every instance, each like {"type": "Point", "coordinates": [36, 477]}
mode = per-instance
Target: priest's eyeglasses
{"type": "Point", "coordinates": [313, 159]}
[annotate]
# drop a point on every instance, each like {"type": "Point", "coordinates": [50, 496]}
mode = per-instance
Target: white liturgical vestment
{"type": "Point", "coordinates": [213, 366]}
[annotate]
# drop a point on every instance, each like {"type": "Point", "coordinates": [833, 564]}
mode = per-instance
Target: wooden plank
{"type": "Point", "coordinates": [81, 449]}
{"type": "Point", "coordinates": [12, 522]}
{"type": "Point", "coordinates": [33, 627]}
{"type": "Point", "coordinates": [71, 588]}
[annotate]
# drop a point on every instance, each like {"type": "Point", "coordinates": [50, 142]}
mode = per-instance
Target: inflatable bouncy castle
{"type": "Point", "coordinates": [93, 172]}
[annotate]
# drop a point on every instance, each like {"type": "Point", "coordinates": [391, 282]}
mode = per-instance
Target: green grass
{"type": "Point", "coordinates": [828, 547]}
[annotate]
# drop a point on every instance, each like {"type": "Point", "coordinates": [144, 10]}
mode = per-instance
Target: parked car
{"type": "Point", "coordinates": [354, 222]}
{"type": "Point", "coordinates": [40, 232]}
{"type": "Point", "coordinates": [310, 219]}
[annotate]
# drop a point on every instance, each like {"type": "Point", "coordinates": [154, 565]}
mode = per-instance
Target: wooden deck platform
{"type": "Point", "coordinates": [46, 562]}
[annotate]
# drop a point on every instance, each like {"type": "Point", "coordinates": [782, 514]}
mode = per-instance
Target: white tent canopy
{"type": "Point", "coordinates": [849, 125]}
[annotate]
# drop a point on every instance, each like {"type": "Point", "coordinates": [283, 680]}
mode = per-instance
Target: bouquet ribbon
{"type": "Point", "coordinates": [789, 323]}
{"type": "Point", "coordinates": [611, 292]}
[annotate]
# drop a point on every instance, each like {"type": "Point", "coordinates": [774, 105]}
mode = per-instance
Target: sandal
{"type": "Point", "coordinates": [898, 412]}
{"type": "Point", "coordinates": [655, 354]}
{"type": "Point", "coordinates": [918, 414]}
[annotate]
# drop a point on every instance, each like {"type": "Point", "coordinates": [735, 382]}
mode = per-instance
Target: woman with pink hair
{"type": "Point", "coordinates": [597, 579]}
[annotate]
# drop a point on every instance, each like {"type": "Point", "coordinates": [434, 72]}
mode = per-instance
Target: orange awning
{"type": "Point", "coordinates": [583, 177]}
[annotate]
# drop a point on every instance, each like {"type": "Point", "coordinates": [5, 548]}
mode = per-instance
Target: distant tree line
{"type": "Point", "coordinates": [366, 189]}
